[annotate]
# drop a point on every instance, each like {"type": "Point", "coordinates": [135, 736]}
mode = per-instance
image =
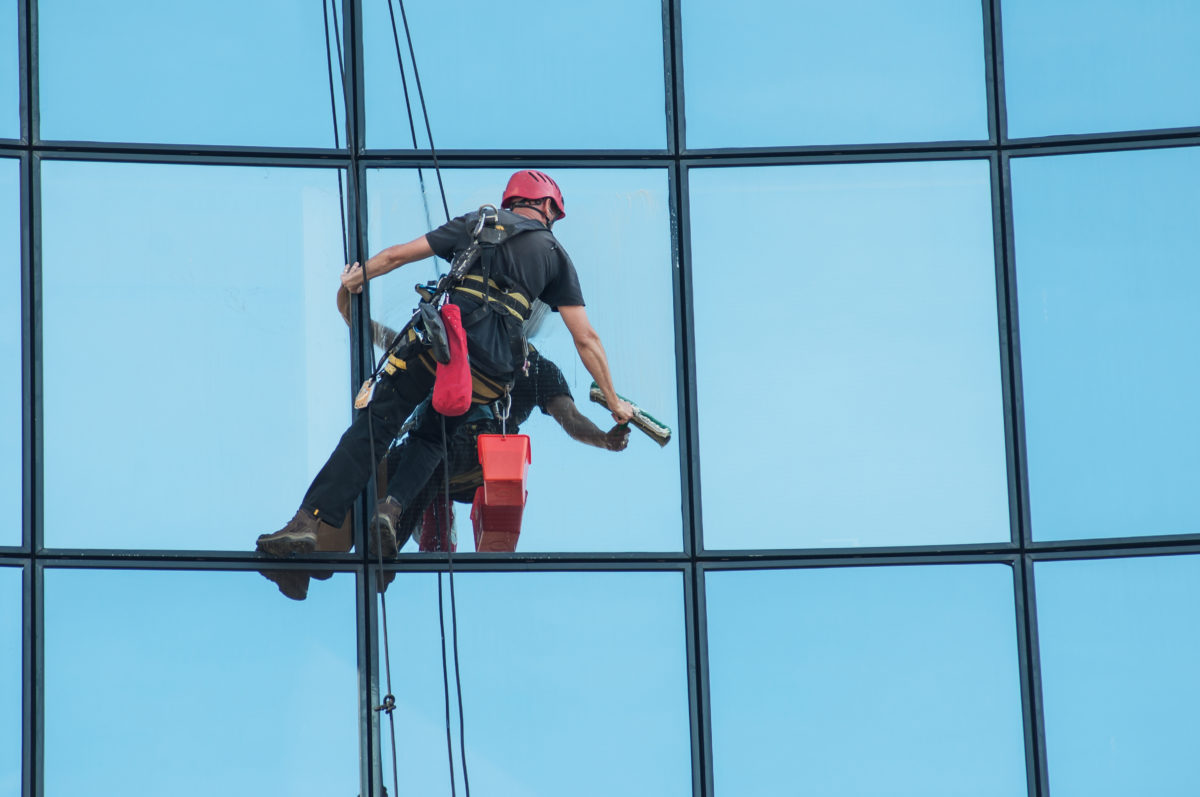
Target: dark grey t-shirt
{"type": "Point", "coordinates": [537, 265]}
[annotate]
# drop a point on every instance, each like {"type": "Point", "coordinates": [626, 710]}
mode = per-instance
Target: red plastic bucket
{"type": "Point", "coordinates": [505, 460]}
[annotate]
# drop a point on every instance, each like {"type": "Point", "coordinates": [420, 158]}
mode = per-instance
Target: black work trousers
{"type": "Point", "coordinates": [348, 468]}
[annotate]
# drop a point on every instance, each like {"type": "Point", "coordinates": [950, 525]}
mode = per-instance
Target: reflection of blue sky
{"type": "Point", "coordinates": [862, 681]}
{"type": "Point", "coordinates": [10, 353]}
{"type": "Point", "coordinates": [10, 680]}
{"type": "Point", "coordinates": [764, 73]}
{"type": "Point", "coordinates": [217, 72]}
{"type": "Point", "coordinates": [573, 683]}
{"type": "Point", "coordinates": [617, 232]}
{"type": "Point", "coordinates": [1106, 269]}
{"type": "Point", "coordinates": [848, 367]}
{"type": "Point", "coordinates": [10, 62]}
{"type": "Point", "coordinates": [194, 355]}
{"type": "Point", "coordinates": [577, 75]}
{"type": "Point", "coordinates": [1119, 659]}
{"type": "Point", "coordinates": [1091, 66]}
{"type": "Point", "coordinates": [198, 684]}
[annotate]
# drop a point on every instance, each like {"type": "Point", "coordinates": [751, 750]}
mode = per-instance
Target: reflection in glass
{"type": "Point", "coordinates": [11, 457]}
{"type": "Point", "coordinates": [11, 650]}
{"type": "Point", "coordinates": [848, 368]}
{"type": "Point", "coordinates": [195, 363]}
{"type": "Point", "coordinates": [1119, 660]}
{"type": "Point", "coordinates": [766, 73]}
{"type": "Point", "coordinates": [218, 72]}
{"type": "Point", "coordinates": [587, 74]}
{"type": "Point", "coordinates": [10, 62]}
{"type": "Point", "coordinates": [1078, 66]}
{"type": "Point", "coordinates": [617, 232]}
{"type": "Point", "coordinates": [913, 669]}
{"type": "Point", "coordinates": [572, 683]}
{"type": "Point", "coordinates": [198, 684]}
{"type": "Point", "coordinates": [1106, 271]}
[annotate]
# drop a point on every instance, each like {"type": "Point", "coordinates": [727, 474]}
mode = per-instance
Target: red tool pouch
{"type": "Point", "coordinates": [452, 388]}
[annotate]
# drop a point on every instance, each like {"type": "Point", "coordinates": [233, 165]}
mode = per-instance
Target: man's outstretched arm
{"type": "Point", "coordinates": [591, 354]}
{"type": "Point", "coordinates": [381, 334]}
{"type": "Point", "coordinates": [387, 260]}
{"type": "Point", "coordinates": [564, 410]}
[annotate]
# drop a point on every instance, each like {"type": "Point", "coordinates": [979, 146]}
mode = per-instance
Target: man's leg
{"type": "Point", "coordinates": [348, 468]}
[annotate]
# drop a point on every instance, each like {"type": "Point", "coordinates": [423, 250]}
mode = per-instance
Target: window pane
{"type": "Point", "coordinates": [218, 72]}
{"type": "Point", "coordinates": [10, 63]}
{"type": "Point", "coordinates": [769, 73]}
{"type": "Point", "coordinates": [1119, 663]}
{"type": "Point", "coordinates": [1081, 66]}
{"type": "Point", "coordinates": [196, 367]}
{"type": "Point", "coordinates": [198, 684]}
{"type": "Point", "coordinates": [850, 321]}
{"type": "Point", "coordinates": [587, 74]}
{"type": "Point", "coordinates": [559, 671]}
{"type": "Point", "coordinates": [11, 652]}
{"type": "Point", "coordinates": [617, 232]}
{"type": "Point", "coordinates": [11, 456]}
{"type": "Point", "coordinates": [1106, 267]}
{"type": "Point", "coordinates": [912, 669]}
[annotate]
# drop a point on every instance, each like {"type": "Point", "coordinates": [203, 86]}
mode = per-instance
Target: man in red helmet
{"type": "Point", "coordinates": [495, 298]}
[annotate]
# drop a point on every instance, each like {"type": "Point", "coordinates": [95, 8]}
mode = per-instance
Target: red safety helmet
{"type": "Point", "coordinates": [530, 184]}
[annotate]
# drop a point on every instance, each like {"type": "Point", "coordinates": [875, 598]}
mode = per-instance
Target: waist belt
{"type": "Point", "coordinates": [511, 302]}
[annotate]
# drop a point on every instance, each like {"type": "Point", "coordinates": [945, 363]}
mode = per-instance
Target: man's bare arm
{"type": "Point", "coordinates": [381, 334]}
{"type": "Point", "coordinates": [591, 354]}
{"type": "Point", "coordinates": [564, 410]}
{"type": "Point", "coordinates": [387, 260]}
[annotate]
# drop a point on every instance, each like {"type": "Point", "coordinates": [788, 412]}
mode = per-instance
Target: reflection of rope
{"type": "Point", "coordinates": [448, 548]}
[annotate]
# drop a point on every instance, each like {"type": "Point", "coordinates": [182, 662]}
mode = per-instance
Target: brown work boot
{"type": "Point", "coordinates": [292, 583]}
{"type": "Point", "coordinates": [381, 533]}
{"type": "Point", "coordinates": [298, 536]}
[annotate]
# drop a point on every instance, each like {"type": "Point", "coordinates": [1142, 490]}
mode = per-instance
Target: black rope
{"type": "Point", "coordinates": [389, 701]}
{"type": "Point", "coordinates": [333, 108]}
{"type": "Point", "coordinates": [412, 125]}
{"type": "Point", "coordinates": [412, 55]}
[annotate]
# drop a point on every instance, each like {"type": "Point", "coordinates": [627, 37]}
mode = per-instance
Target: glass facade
{"type": "Point", "coordinates": [912, 289]}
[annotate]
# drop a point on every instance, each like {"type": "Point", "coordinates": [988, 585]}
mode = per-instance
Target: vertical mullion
{"type": "Point", "coordinates": [1031, 679]}
{"type": "Point", "coordinates": [32, 693]}
{"type": "Point", "coordinates": [370, 772]}
{"type": "Point", "coordinates": [28, 71]}
{"type": "Point", "coordinates": [696, 617]}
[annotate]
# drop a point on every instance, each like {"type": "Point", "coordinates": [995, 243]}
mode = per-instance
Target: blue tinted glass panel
{"type": "Point", "coordinates": [1106, 273]}
{"type": "Point", "coordinates": [848, 367]}
{"type": "Point", "coordinates": [11, 457]}
{"type": "Point", "coordinates": [11, 652]}
{"type": "Point", "coordinates": [10, 62]}
{"type": "Point", "coordinates": [581, 75]}
{"type": "Point", "coordinates": [912, 669]}
{"type": "Point", "coordinates": [617, 231]}
{"type": "Point", "coordinates": [1081, 66]}
{"type": "Point", "coordinates": [196, 369]}
{"type": "Point", "coordinates": [1119, 666]}
{"type": "Point", "coordinates": [198, 684]}
{"type": "Point", "coordinates": [559, 671]}
{"type": "Point", "coordinates": [218, 72]}
{"type": "Point", "coordinates": [768, 73]}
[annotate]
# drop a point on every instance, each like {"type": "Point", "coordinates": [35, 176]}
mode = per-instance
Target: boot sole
{"type": "Point", "coordinates": [287, 545]}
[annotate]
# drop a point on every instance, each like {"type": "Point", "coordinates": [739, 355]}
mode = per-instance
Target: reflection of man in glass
{"type": "Point", "coordinates": [529, 264]}
{"type": "Point", "coordinates": [425, 517]}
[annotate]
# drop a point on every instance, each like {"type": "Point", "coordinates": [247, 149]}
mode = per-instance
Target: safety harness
{"type": "Point", "coordinates": [477, 271]}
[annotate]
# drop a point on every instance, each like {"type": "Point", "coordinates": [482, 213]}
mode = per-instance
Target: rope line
{"type": "Point", "coordinates": [388, 704]}
{"type": "Point", "coordinates": [412, 126]}
{"type": "Point", "coordinates": [337, 144]}
{"type": "Point", "coordinates": [412, 55]}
